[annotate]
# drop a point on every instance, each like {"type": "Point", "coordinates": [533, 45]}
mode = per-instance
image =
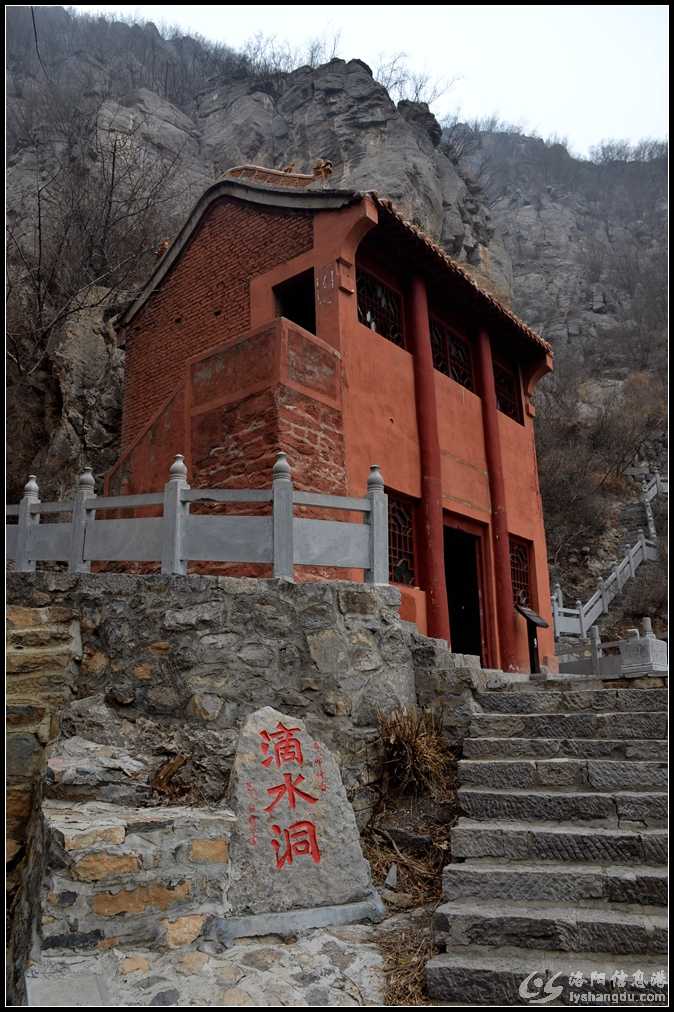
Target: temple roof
{"type": "Point", "coordinates": [256, 184]}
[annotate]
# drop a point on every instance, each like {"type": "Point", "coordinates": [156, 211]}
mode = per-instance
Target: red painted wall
{"type": "Point", "coordinates": [220, 379]}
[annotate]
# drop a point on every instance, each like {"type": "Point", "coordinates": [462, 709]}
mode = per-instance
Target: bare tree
{"type": "Point", "coordinates": [97, 215]}
{"type": "Point", "coordinates": [404, 83]}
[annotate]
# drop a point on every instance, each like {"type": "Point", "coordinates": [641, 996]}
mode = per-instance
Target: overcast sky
{"type": "Point", "coordinates": [584, 72]}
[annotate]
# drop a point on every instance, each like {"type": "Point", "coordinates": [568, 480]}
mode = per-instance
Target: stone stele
{"type": "Point", "coordinates": [296, 845]}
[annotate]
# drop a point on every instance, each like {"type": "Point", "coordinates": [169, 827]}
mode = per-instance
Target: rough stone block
{"type": "Point", "coordinates": [140, 899]}
{"type": "Point", "coordinates": [210, 851]}
{"type": "Point", "coordinates": [296, 843]}
{"type": "Point", "coordinates": [104, 865]}
{"type": "Point", "coordinates": [183, 930]}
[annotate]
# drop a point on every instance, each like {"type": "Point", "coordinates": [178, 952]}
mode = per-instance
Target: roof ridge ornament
{"type": "Point", "coordinates": [284, 179]}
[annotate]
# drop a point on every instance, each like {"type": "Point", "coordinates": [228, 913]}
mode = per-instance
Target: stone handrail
{"type": "Point", "coordinates": [178, 537]}
{"type": "Point", "coordinates": [640, 654]}
{"type": "Point", "coordinates": [579, 620]}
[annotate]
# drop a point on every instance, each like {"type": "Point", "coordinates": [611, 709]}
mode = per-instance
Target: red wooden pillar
{"type": "Point", "coordinates": [500, 537]}
{"type": "Point", "coordinates": [432, 539]}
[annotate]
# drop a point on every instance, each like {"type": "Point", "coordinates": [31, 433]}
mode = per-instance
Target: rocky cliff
{"type": "Point", "coordinates": [587, 241]}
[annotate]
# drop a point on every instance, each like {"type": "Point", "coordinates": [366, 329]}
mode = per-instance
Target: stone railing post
{"type": "Point", "coordinates": [630, 561]}
{"type": "Point", "coordinates": [642, 543]}
{"type": "Point", "coordinates": [647, 629]}
{"type": "Point", "coordinates": [601, 587]}
{"type": "Point", "coordinates": [282, 519]}
{"type": "Point", "coordinates": [27, 522]}
{"type": "Point", "coordinates": [595, 644]}
{"type": "Point", "coordinates": [581, 618]}
{"type": "Point", "coordinates": [558, 594]}
{"type": "Point", "coordinates": [648, 510]}
{"type": "Point", "coordinates": [86, 489]}
{"type": "Point", "coordinates": [378, 571]}
{"type": "Point", "coordinates": [175, 512]}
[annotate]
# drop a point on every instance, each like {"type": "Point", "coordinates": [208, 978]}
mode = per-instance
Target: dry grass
{"type": "Point", "coordinates": [411, 829]}
{"type": "Point", "coordinates": [406, 953]}
{"type": "Point", "coordinates": [418, 877]}
{"type": "Point", "coordinates": [417, 756]}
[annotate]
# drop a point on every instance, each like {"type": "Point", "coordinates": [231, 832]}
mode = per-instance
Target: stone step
{"type": "Point", "coordinates": [129, 874]}
{"type": "Point", "coordinates": [568, 883]}
{"type": "Point", "coordinates": [589, 774]}
{"type": "Point", "coordinates": [477, 975]}
{"type": "Point", "coordinates": [627, 680]}
{"type": "Point", "coordinates": [546, 841]}
{"type": "Point", "coordinates": [560, 701]}
{"type": "Point", "coordinates": [600, 928]}
{"type": "Point", "coordinates": [569, 725]}
{"type": "Point", "coordinates": [648, 808]}
{"type": "Point", "coordinates": [571, 748]}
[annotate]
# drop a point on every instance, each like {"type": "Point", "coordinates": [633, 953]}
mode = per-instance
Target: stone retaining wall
{"type": "Point", "coordinates": [170, 667]}
{"type": "Point", "coordinates": [43, 647]}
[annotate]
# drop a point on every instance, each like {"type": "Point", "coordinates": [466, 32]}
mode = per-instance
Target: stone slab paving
{"type": "Point", "coordinates": [327, 967]}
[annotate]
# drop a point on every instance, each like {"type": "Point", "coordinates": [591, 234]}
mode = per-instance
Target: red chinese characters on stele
{"type": "Point", "coordinates": [280, 748]}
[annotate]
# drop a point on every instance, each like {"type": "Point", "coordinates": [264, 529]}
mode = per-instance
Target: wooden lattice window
{"type": "Point", "coordinates": [451, 354]}
{"type": "Point", "coordinates": [519, 571]}
{"type": "Point", "coordinates": [402, 567]}
{"type": "Point", "coordinates": [380, 307]}
{"type": "Point", "coordinates": [508, 399]}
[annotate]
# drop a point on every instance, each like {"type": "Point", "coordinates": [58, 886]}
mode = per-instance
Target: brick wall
{"type": "Point", "coordinates": [204, 299]}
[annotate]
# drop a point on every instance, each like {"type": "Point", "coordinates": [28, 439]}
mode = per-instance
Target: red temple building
{"type": "Point", "coordinates": [288, 315]}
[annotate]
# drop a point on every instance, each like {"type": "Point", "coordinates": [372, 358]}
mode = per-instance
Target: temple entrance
{"type": "Point", "coordinates": [462, 576]}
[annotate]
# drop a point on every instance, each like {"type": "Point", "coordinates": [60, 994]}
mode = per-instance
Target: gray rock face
{"type": "Point", "coordinates": [566, 224]}
{"type": "Point", "coordinates": [338, 111]}
{"type": "Point", "coordinates": [296, 844]}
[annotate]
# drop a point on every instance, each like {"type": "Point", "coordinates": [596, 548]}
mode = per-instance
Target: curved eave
{"type": "Point", "coordinates": [301, 199]}
{"type": "Point", "coordinates": [443, 261]}
{"type": "Point", "coordinates": [251, 193]}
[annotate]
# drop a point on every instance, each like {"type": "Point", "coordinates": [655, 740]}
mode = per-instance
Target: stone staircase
{"type": "Point", "coordinates": [560, 857]}
{"type": "Point", "coordinates": [632, 520]}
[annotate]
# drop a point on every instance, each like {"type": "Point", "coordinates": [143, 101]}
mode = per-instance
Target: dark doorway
{"type": "Point", "coordinates": [463, 591]}
{"type": "Point", "coordinates": [296, 300]}
{"type": "Point", "coordinates": [532, 637]}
